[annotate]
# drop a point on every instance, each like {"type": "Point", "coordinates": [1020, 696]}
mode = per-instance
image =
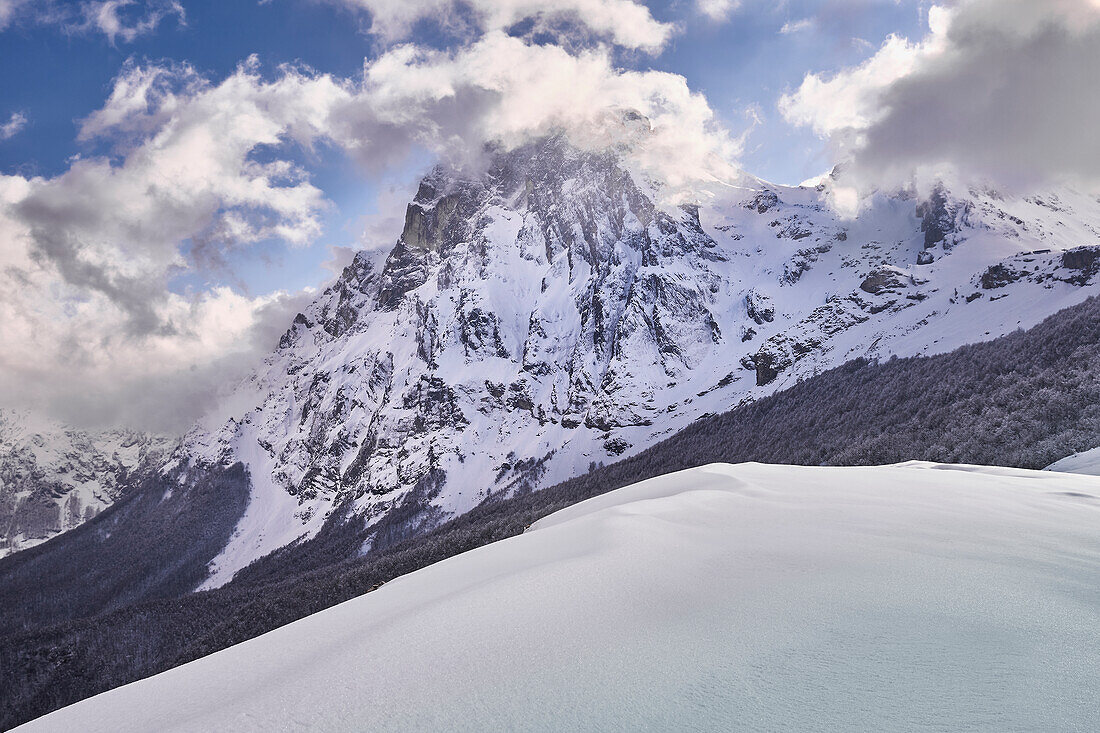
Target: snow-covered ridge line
{"type": "Point", "coordinates": [752, 596]}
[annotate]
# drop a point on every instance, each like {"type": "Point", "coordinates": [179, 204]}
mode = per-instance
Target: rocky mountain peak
{"type": "Point", "coordinates": [545, 313]}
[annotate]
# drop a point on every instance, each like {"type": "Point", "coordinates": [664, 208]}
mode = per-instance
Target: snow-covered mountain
{"type": "Point", "coordinates": [549, 314]}
{"type": "Point", "coordinates": [747, 597]}
{"type": "Point", "coordinates": [54, 477]}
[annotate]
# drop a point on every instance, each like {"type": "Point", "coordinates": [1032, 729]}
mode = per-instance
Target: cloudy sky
{"type": "Point", "coordinates": [177, 176]}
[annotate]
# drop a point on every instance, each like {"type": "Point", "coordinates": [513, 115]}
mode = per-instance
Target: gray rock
{"type": "Point", "coordinates": [883, 280]}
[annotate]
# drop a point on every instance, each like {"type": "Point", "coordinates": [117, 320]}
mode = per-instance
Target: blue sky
{"type": "Point", "coordinates": [56, 76]}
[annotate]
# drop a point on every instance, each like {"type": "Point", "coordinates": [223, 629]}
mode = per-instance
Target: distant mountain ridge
{"type": "Point", "coordinates": [54, 477]}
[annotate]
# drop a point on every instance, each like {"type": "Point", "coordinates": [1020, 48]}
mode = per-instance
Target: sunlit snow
{"type": "Point", "coordinates": [748, 597]}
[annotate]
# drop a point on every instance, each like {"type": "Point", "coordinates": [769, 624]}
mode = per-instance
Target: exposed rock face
{"type": "Point", "coordinates": [942, 218]}
{"type": "Point", "coordinates": [548, 313]}
{"type": "Point", "coordinates": [999, 275]}
{"type": "Point", "coordinates": [53, 478]}
{"type": "Point", "coordinates": [883, 280]}
{"type": "Point", "coordinates": [1085, 261]}
{"type": "Point", "coordinates": [784, 349]}
{"type": "Point", "coordinates": [1081, 258]}
{"type": "Point", "coordinates": [759, 307]}
{"type": "Point", "coordinates": [763, 202]}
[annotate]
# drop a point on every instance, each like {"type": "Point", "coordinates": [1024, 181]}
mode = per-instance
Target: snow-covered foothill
{"type": "Point", "coordinates": [728, 597]}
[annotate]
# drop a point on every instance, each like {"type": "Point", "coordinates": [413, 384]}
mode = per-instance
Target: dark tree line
{"type": "Point", "coordinates": [155, 542]}
{"type": "Point", "coordinates": [1024, 400]}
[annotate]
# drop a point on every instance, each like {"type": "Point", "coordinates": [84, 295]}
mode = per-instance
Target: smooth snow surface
{"type": "Point", "coordinates": [748, 597]}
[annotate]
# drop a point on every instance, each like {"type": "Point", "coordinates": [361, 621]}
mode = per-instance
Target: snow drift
{"type": "Point", "coordinates": [759, 597]}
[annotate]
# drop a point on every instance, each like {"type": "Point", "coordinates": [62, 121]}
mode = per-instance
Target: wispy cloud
{"type": "Point", "coordinates": [123, 20]}
{"type": "Point", "coordinates": [796, 26]}
{"type": "Point", "coordinates": [127, 19]}
{"type": "Point", "coordinates": [625, 23]}
{"type": "Point", "coordinates": [10, 10]}
{"type": "Point", "coordinates": [11, 128]}
{"type": "Point", "coordinates": [717, 10]}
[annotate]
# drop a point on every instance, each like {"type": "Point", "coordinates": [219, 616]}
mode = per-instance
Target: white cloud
{"type": "Point", "coordinates": [796, 26]}
{"type": "Point", "coordinates": [379, 230]}
{"type": "Point", "coordinates": [11, 128]}
{"type": "Point", "coordinates": [189, 174]}
{"type": "Point", "coordinates": [504, 91]}
{"type": "Point", "coordinates": [624, 22]}
{"type": "Point", "coordinates": [851, 100]}
{"type": "Point", "coordinates": [116, 19]}
{"type": "Point", "coordinates": [1001, 90]}
{"type": "Point", "coordinates": [10, 10]}
{"type": "Point", "coordinates": [717, 10]}
{"type": "Point", "coordinates": [92, 327]}
{"type": "Point", "coordinates": [71, 349]}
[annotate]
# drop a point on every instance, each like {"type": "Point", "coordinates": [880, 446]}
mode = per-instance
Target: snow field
{"type": "Point", "coordinates": [748, 597]}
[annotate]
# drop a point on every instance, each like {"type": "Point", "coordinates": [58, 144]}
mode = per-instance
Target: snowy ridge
{"type": "Point", "coordinates": [54, 477]}
{"type": "Point", "coordinates": [753, 597]}
{"type": "Point", "coordinates": [548, 314]}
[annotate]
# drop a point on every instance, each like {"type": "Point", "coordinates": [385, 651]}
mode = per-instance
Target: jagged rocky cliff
{"type": "Point", "coordinates": [548, 314]}
{"type": "Point", "coordinates": [54, 477]}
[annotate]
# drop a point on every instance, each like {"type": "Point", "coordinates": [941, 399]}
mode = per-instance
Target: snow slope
{"type": "Point", "coordinates": [753, 597]}
{"type": "Point", "coordinates": [1086, 462]}
{"type": "Point", "coordinates": [549, 313]}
